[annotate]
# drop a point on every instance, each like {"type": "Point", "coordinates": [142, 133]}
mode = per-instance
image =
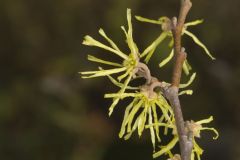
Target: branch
{"type": "Point", "coordinates": [177, 26]}
{"type": "Point", "coordinates": [185, 139]}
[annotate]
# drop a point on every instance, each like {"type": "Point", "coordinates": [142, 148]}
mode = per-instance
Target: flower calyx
{"type": "Point", "coordinates": [175, 157]}
{"type": "Point", "coordinates": [194, 128]}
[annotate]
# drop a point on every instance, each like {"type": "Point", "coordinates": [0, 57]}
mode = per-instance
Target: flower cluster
{"type": "Point", "coordinates": [148, 107]}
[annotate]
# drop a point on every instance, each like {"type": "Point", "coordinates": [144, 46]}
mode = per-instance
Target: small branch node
{"type": "Point", "coordinates": [175, 157]}
{"type": "Point", "coordinates": [182, 49]}
{"type": "Point", "coordinates": [167, 24]}
{"type": "Point", "coordinates": [174, 22]}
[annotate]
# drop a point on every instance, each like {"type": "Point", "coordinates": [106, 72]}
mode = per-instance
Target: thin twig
{"type": "Point", "coordinates": [185, 139]}
{"type": "Point", "coordinates": [143, 71]}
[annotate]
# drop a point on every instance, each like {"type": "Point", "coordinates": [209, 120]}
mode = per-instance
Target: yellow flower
{"type": "Point", "coordinates": [129, 61]}
{"type": "Point", "coordinates": [142, 113]}
{"type": "Point", "coordinates": [195, 128]}
{"type": "Point", "coordinates": [166, 27]}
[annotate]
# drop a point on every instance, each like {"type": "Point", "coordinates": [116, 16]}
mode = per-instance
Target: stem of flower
{"type": "Point", "coordinates": [143, 71]}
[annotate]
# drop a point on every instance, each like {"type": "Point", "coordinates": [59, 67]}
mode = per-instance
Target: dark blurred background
{"type": "Point", "coordinates": [47, 112]}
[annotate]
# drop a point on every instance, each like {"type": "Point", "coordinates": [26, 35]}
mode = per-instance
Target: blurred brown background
{"type": "Point", "coordinates": [48, 113]}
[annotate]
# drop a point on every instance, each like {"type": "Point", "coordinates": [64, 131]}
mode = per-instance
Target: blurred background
{"type": "Point", "coordinates": [47, 112]}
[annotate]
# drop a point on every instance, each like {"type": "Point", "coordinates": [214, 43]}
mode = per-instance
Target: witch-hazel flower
{"type": "Point", "coordinates": [165, 23]}
{"type": "Point", "coordinates": [146, 109]}
{"type": "Point", "coordinates": [196, 128]}
{"type": "Point", "coordinates": [192, 127]}
{"type": "Point", "coordinates": [126, 70]}
{"type": "Point", "coordinates": [129, 61]}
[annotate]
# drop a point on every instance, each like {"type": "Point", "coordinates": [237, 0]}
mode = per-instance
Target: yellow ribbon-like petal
{"type": "Point", "coordinates": [88, 40]}
{"type": "Point", "coordinates": [194, 23]}
{"type": "Point", "coordinates": [198, 42]}
{"type": "Point", "coordinates": [142, 19]}
{"type": "Point", "coordinates": [98, 60]}
{"type": "Point", "coordinates": [102, 72]}
{"type": "Point", "coordinates": [166, 148]}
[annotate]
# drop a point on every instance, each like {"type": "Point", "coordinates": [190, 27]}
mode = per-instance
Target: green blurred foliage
{"type": "Point", "coordinates": [48, 112]}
